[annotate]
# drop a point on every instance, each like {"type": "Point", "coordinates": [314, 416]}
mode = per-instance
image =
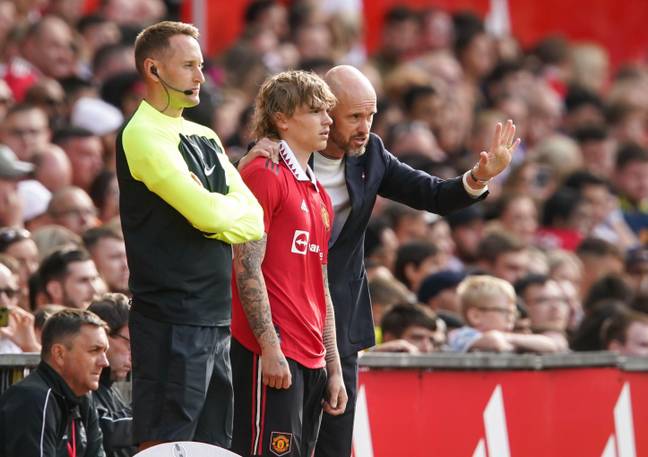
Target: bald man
{"type": "Point", "coordinates": [354, 168]}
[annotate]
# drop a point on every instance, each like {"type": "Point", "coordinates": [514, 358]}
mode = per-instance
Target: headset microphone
{"type": "Point", "coordinates": [183, 91]}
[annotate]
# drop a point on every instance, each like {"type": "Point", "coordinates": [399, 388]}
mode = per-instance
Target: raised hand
{"type": "Point", "coordinates": [498, 157]}
{"type": "Point", "coordinates": [21, 330]}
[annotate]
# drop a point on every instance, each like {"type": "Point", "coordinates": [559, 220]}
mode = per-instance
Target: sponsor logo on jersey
{"type": "Point", "coordinates": [300, 242]}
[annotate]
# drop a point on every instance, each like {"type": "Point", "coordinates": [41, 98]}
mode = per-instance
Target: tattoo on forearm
{"type": "Point", "coordinates": [330, 340]}
{"type": "Point", "coordinates": [248, 258]}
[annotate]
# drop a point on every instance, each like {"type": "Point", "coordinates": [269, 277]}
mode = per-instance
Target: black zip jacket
{"type": "Point", "coordinates": [115, 418]}
{"type": "Point", "coordinates": [36, 418]}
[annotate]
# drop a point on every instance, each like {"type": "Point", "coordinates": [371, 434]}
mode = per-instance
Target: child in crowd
{"type": "Point", "coordinates": [489, 310]}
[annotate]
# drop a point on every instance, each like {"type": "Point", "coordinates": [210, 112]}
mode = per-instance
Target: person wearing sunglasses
{"type": "Point", "coordinates": [17, 243]}
{"type": "Point", "coordinates": [16, 325]}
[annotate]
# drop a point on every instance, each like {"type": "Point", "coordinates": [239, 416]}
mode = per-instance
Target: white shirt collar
{"type": "Point", "coordinates": [293, 165]}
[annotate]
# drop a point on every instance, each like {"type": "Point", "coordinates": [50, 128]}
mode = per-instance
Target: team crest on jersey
{"type": "Point", "coordinates": [325, 216]}
{"type": "Point", "coordinates": [280, 443]}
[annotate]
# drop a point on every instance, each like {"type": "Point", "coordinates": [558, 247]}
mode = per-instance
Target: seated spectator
{"type": "Point", "coordinates": [411, 328]}
{"type": "Point", "coordinates": [504, 256]}
{"type": "Point", "coordinates": [409, 224]}
{"type": "Point", "coordinates": [49, 46]}
{"type": "Point", "coordinates": [608, 287]}
{"type": "Point", "coordinates": [69, 277]}
{"type": "Point", "coordinates": [108, 251]}
{"type": "Point", "coordinates": [18, 244]}
{"type": "Point", "coordinates": [415, 261]}
{"type": "Point", "coordinates": [85, 151]}
{"type": "Point", "coordinates": [440, 234]}
{"type": "Point", "coordinates": [565, 266]}
{"type": "Point", "coordinates": [380, 243]}
{"type": "Point", "coordinates": [53, 168]}
{"type": "Point", "coordinates": [517, 214]}
{"type": "Point", "coordinates": [567, 218]}
{"type": "Point", "coordinates": [626, 333]}
{"type": "Point", "coordinates": [18, 334]}
{"type": "Point", "coordinates": [72, 208]}
{"type": "Point", "coordinates": [41, 315]}
{"type": "Point", "coordinates": [49, 238]}
{"type": "Point", "coordinates": [386, 292]}
{"type": "Point", "coordinates": [588, 336]}
{"type": "Point", "coordinates": [48, 94]}
{"type": "Point", "coordinates": [608, 221]}
{"type": "Point", "coordinates": [105, 195]}
{"type": "Point", "coordinates": [115, 414]}
{"type": "Point", "coordinates": [630, 179]}
{"type": "Point", "coordinates": [572, 297]}
{"type": "Point", "coordinates": [636, 269]}
{"type": "Point", "coordinates": [489, 310]}
{"type": "Point", "coordinates": [597, 148]}
{"type": "Point", "coordinates": [584, 109]}
{"type": "Point", "coordinates": [49, 412]}
{"type": "Point", "coordinates": [599, 258]}
{"type": "Point", "coordinates": [25, 130]}
{"type": "Point", "coordinates": [548, 309]}
{"type": "Point", "coordinates": [439, 293]}
{"type": "Point", "coordinates": [467, 229]}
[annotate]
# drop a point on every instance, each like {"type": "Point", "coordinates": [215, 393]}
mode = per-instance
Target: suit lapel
{"type": "Point", "coordinates": [354, 171]}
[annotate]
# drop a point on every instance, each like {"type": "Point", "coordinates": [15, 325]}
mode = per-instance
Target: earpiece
{"type": "Point", "coordinates": [154, 72]}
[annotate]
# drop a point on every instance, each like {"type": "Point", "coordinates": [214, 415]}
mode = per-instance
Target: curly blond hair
{"type": "Point", "coordinates": [284, 93]}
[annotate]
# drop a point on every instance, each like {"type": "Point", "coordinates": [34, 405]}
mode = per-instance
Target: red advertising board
{"type": "Point", "coordinates": [550, 413]}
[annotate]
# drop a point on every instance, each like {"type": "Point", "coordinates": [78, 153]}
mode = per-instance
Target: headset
{"type": "Point", "coordinates": [165, 84]}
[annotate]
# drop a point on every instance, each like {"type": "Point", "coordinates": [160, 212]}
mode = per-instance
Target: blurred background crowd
{"type": "Point", "coordinates": [565, 229]}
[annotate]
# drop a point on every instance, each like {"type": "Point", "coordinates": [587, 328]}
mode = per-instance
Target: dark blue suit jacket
{"type": "Point", "coordinates": [377, 172]}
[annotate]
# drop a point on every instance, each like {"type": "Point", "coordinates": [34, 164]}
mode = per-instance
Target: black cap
{"type": "Point", "coordinates": [437, 282]}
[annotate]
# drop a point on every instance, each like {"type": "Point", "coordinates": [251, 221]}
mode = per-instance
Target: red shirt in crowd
{"type": "Point", "coordinates": [298, 218]}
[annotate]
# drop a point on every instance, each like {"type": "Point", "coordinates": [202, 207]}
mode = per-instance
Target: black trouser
{"type": "Point", "coordinates": [275, 422]}
{"type": "Point", "coordinates": [336, 433]}
{"type": "Point", "coordinates": [182, 382]}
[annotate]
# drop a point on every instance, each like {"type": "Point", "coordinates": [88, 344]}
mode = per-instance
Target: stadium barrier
{"type": "Point", "coordinates": [486, 405]}
{"type": "Point", "coordinates": [500, 405]}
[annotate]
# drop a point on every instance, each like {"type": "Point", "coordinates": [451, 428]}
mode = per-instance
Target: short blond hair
{"type": "Point", "coordinates": [155, 39]}
{"type": "Point", "coordinates": [474, 289]}
{"type": "Point", "coordinates": [284, 93]}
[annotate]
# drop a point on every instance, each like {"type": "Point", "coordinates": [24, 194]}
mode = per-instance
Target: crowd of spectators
{"type": "Point", "coordinates": [559, 244]}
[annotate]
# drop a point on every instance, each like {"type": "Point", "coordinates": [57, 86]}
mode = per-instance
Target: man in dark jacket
{"type": "Point", "coordinates": [355, 168]}
{"type": "Point", "coordinates": [49, 413]}
{"type": "Point", "coordinates": [115, 414]}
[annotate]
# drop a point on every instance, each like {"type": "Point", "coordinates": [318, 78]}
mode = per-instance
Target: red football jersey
{"type": "Point", "coordinates": [298, 218]}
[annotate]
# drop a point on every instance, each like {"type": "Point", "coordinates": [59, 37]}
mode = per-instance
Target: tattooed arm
{"type": "Point", "coordinates": [254, 298]}
{"type": "Point", "coordinates": [336, 395]}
